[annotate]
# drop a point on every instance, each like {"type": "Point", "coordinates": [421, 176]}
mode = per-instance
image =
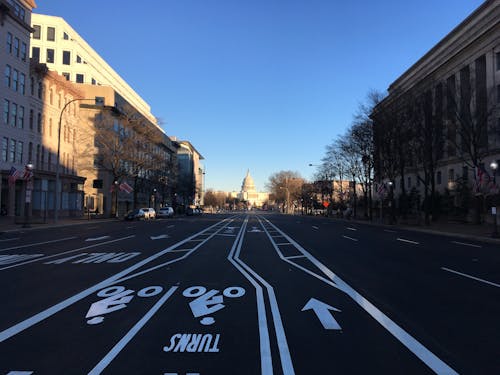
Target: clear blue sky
{"type": "Point", "coordinates": [263, 85]}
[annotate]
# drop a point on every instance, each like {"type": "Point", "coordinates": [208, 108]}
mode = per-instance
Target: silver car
{"type": "Point", "coordinates": [166, 212]}
{"type": "Point", "coordinates": [149, 213]}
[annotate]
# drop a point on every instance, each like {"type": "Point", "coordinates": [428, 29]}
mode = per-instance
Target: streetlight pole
{"type": "Point", "coordinates": [494, 167]}
{"type": "Point", "coordinates": [28, 173]}
{"type": "Point", "coordinates": [58, 157]}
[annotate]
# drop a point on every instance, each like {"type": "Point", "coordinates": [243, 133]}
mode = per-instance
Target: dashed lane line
{"type": "Point", "coordinates": [466, 244]}
{"type": "Point", "coordinates": [471, 277]}
{"type": "Point", "coordinates": [407, 241]}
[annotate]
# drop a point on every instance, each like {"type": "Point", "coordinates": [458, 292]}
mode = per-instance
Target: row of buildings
{"type": "Point", "coordinates": [74, 135]}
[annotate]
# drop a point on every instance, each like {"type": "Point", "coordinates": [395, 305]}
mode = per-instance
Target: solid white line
{"type": "Point", "coordinates": [283, 244]}
{"type": "Point", "coordinates": [37, 243]}
{"type": "Point", "coordinates": [315, 227]}
{"type": "Point", "coordinates": [10, 239]}
{"type": "Point", "coordinates": [37, 318]}
{"type": "Point", "coordinates": [350, 238]}
{"type": "Point", "coordinates": [130, 334]}
{"type": "Point", "coordinates": [466, 244]}
{"type": "Point", "coordinates": [471, 277]}
{"type": "Point", "coordinates": [180, 250]}
{"type": "Point", "coordinates": [407, 241]}
{"type": "Point", "coordinates": [424, 354]}
{"type": "Point", "coordinates": [351, 228]}
{"type": "Point", "coordinates": [266, 362]}
{"type": "Point", "coordinates": [66, 252]}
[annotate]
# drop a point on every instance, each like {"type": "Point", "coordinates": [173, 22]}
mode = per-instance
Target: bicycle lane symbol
{"type": "Point", "coordinates": [207, 303]}
{"type": "Point", "coordinates": [116, 298]}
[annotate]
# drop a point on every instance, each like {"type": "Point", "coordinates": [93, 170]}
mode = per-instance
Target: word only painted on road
{"type": "Point", "coordinates": [193, 343]}
{"type": "Point", "coordinates": [86, 258]}
{"type": "Point", "coordinates": [207, 303]}
{"type": "Point", "coordinates": [116, 298]}
{"type": "Point", "coordinates": [14, 258]}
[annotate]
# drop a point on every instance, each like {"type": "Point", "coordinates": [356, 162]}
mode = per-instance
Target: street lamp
{"type": "Point", "coordinates": [494, 167]}
{"type": "Point", "coordinates": [391, 200]}
{"type": "Point", "coordinates": [98, 101]}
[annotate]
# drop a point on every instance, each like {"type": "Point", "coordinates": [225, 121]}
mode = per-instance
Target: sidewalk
{"type": "Point", "coordinates": [10, 224]}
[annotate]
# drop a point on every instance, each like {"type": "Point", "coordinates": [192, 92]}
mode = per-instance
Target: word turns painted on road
{"type": "Point", "coordinates": [116, 298]}
{"type": "Point", "coordinates": [207, 303]}
{"type": "Point", "coordinates": [96, 258]}
{"type": "Point", "coordinates": [193, 343]}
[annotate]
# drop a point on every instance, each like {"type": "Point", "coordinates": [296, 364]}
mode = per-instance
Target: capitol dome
{"type": "Point", "coordinates": [248, 184]}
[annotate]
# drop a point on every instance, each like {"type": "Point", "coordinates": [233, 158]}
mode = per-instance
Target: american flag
{"type": "Point", "coordinates": [126, 188]}
{"type": "Point", "coordinates": [14, 174]}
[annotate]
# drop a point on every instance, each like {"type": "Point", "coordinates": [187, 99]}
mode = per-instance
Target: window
{"type": "Point", "coordinates": [15, 75]}
{"type": "Point", "coordinates": [32, 118]}
{"type": "Point", "coordinates": [24, 51]}
{"type": "Point", "coordinates": [32, 86]}
{"type": "Point", "coordinates": [38, 32]}
{"type": "Point", "coordinates": [5, 147]}
{"type": "Point", "coordinates": [50, 55]}
{"type": "Point", "coordinates": [51, 97]}
{"type": "Point", "coordinates": [78, 59]}
{"type": "Point", "coordinates": [65, 36]}
{"type": "Point", "coordinates": [9, 43]}
{"type": "Point", "coordinates": [498, 60]}
{"type": "Point", "coordinates": [94, 82]}
{"type": "Point", "coordinates": [38, 156]}
{"type": "Point", "coordinates": [13, 114]}
{"type": "Point", "coordinates": [51, 34]}
{"type": "Point", "coordinates": [12, 151]}
{"type": "Point", "coordinates": [80, 78]}
{"type": "Point", "coordinates": [7, 74]}
{"type": "Point", "coordinates": [50, 127]}
{"type": "Point", "coordinates": [66, 75]}
{"type": "Point", "coordinates": [438, 177]}
{"type": "Point", "coordinates": [30, 152]}
{"type": "Point", "coordinates": [19, 151]}
{"type": "Point", "coordinates": [20, 117]}
{"type": "Point", "coordinates": [66, 57]}
{"type": "Point", "coordinates": [39, 90]}
{"type": "Point", "coordinates": [35, 54]}
{"type": "Point", "coordinates": [22, 83]}
{"type": "Point", "coordinates": [6, 111]}
{"type": "Point", "coordinates": [39, 122]}
{"type": "Point", "coordinates": [16, 47]}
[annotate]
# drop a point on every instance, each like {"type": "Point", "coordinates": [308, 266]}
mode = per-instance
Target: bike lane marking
{"type": "Point", "coordinates": [118, 277]}
{"type": "Point", "coordinates": [418, 349]}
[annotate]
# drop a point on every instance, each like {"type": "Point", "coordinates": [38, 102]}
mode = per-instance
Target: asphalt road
{"type": "Point", "coordinates": [246, 294]}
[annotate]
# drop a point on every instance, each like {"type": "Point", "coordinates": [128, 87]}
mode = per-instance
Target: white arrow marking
{"type": "Point", "coordinates": [159, 237]}
{"type": "Point", "coordinates": [96, 238]}
{"type": "Point", "coordinates": [321, 311]}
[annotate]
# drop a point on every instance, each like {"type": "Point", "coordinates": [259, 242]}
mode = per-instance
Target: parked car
{"type": "Point", "coordinates": [165, 212]}
{"type": "Point", "coordinates": [149, 212]}
{"type": "Point", "coordinates": [137, 214]}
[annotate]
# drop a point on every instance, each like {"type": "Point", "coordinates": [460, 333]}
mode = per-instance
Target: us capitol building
{"type": "Point", "coordinates": [249, 194]}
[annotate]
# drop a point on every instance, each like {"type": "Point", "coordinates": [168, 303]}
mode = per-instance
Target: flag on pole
{"type": "Point", "coordinates": [126, 188]}
{"type": "Point", "coordinates": [14, 174]}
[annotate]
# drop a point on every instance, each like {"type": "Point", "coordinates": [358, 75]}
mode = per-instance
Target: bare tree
{"type": "Point", "coordinates": [286, 187]}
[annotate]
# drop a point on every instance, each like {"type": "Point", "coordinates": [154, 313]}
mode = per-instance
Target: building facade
{"type": "Point", "coordinates": [15, 29]}
{"type": "Point", "coordinates": [191, 179]}
{"type": "Point", "coordinates": [438, 130]}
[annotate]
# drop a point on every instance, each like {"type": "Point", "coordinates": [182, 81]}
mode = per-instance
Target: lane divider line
{"type": "Point", "coordinates": [471, 277]}
{"type": "Point", "coordinates": [466, 244]}
{"type": "Point", "coordinates": [407, 241]}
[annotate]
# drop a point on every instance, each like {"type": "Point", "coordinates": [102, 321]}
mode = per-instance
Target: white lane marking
{"type": "Point", "coordinates": [66, 252]}
{"type": "Point", "coordinates": [322, 311]}
{"type": "Point", "coordinates": [296, 257]}
{"type": "Point", "coordinates": [471, 277]}
{"type": "Point", "coordinates": [315, 227]}
{"type": "Point", "coordinates": [350, 238]}
{"type": "Point", "coordinates": [10, 239]}
{"type": "Point", "coordinates": [180, 250]}
{"type": "Point", "coordinates": [351, 228]}
{"type": "Point", "coordinates": [120, 276]}
{"type": "Point", "coordinates": [37, 243]}
{"type": "Point", "coordinates": [285, 357]}
{"type": "Point", "coordinates": [407, 241]}
{"type": "Point", "coordinates": [419, 350]}
{"type": "Point", "coordinates": [466, 244]}
{"type": "Point", "coordinates": [283, 243]}
{"type": "Point", "coordinates": [266, 362]}
{"type": "Point", "coordinates": [389, 231]}
{"type": "Point", "coordinates": [161, 236]}
{"type": "Point", "coordinates": [130, 334]}
{"type": "Point", "coordinates": [227, 235]}
{"type": "Point", "coordinates": [97, 238]}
